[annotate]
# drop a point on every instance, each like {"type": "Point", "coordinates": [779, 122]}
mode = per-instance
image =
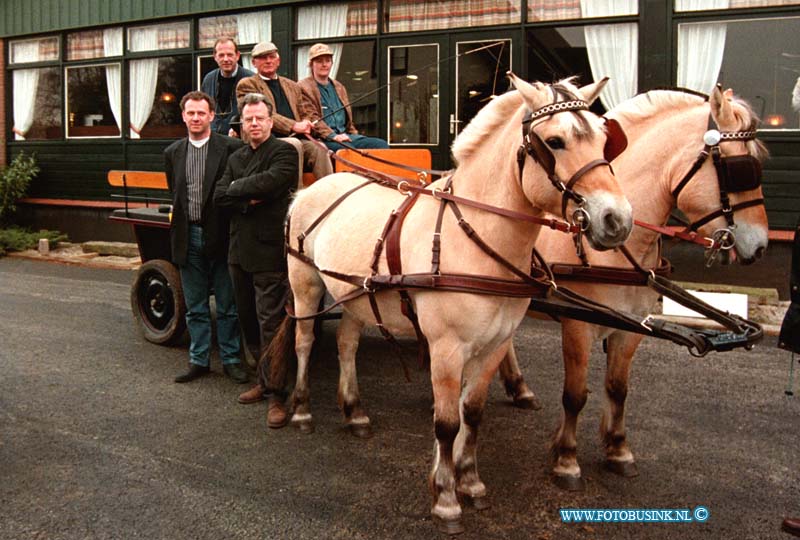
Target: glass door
{"type": "Point", "coordinates": [480, 76]}
{"type": "Point", "coordinates": [436, 84]}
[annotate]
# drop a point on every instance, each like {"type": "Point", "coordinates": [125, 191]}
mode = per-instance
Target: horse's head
{"type": "Point", "coordinates": [563, 142]}
{"type": "Point", "coordinates": [723, 200]}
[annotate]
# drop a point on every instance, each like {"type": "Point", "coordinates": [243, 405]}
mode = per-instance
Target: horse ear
{"type": "Point", "coordinates": [535, 95]}
{"type": "Point", "coordinates": [721, 110]}
{"type": "Point", "coordinates": [591, 92]}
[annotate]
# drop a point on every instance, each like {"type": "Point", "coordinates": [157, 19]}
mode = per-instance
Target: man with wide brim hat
{"type": "Point", "coordinates": [293, 114]}
{"type": "Point", "coordinates": [332, 104]}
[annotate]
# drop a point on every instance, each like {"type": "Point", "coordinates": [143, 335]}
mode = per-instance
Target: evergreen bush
{"type": "Point", "coordinates": [14, 181]}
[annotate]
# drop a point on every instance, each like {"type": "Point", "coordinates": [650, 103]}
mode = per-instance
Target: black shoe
{"type": "Point", "coordinates": [194, 372]}
{"type": "Point", "coordinates": [236, 373]}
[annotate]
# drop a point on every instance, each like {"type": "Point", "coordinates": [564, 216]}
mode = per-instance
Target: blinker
{"type": "Point", "coordinates": [742, 173]}
{"type": "Point", "coordinates": [616, 140]}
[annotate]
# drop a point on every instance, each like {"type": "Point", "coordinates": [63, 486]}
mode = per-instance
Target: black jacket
{"type": "Point", "coordinates": [215, 225]}
{"type": "Point", "coordinates": [256, 189]}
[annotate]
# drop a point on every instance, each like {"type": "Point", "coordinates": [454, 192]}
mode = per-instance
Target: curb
{"type": "Point", "coordinates": [89, 260]}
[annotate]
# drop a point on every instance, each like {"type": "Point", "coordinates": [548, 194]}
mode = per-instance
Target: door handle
{"type": "Point", "coordinates": [454, 124]}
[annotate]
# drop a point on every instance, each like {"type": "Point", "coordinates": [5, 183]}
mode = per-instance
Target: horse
{"type": "Point", "coordinates": [668, 133]}
{"type": "Point", "coordinates": [510, 159]}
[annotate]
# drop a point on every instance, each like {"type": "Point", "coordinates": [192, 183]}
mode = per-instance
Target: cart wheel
{"type": "Point", "coordinates": [157, 302]}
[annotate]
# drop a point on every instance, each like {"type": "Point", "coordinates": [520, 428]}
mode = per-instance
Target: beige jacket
{"type": "Point", "coordinates": [312, 95]}
{"type": "Point", "coordinates": [301, 107]}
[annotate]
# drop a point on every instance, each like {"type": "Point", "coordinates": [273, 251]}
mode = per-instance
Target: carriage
{"type": "Point", "coordinates": [455, 262]}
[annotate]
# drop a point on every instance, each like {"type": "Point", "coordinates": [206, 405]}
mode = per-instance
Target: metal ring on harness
{"type": "Point", "coordinates": [407, 192]}
{"type": "Point", "coordinates": [724, 239]}
{"type": "Point", "coordinates": [422, 177]}
{"type": "Point", "coordinates": [366, 284]}
{"type": "Point", "coordinates": [581, 217]}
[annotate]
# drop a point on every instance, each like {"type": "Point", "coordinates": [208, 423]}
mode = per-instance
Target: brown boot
{"type": "Point", "coordinates": [254, 395]}
{"type": "Point", "coordinates": [791, 526]}
{"type": "Point", "coordinates": [276, 413]}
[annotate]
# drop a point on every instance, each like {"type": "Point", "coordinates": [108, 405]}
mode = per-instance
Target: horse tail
{"type": "Point", "coordinates": [277, 356]}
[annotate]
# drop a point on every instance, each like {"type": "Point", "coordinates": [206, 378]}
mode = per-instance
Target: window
{"type": "Point", "coordinates": [37, 104]}
{"type": "Point", "coordinates": [699, 5]}
{"type": "Point", "coordinates": [414, 94]}
{"type": "Point", "coordinates": [94, 44]}
{"type": "Point", "coordinates": [590, 53]}
{"type": "Point", "coordinates": [33, 50]}
{"type": "Point", "coordinates": [159, 37]}
{"type": "Point", "coordinates": [244, 28]}
{"type": "Point", "coordinates": [337, 19]}
{"type": "Point", "coordinates": [547, 10]}
{"type": "Point", "coordinates": [157, 86]}
{"type": "Point", "coordinates": [93, 101]}
{"type": "Point", "coordinates": [412, 15]}
{"type": "Point", "coordinates": [766, 76]}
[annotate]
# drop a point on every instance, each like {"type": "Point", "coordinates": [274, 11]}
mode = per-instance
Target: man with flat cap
{"type": "Point", "coordinates": [332, 104]}
{"type": "Point", "coordinates": [293, 114]}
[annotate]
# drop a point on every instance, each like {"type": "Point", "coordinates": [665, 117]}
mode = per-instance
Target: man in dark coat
{"type": "Point", "coordinates": [199, 237]}
{"type": "Point", "coordinates": [221, 83]}
{"type": "Point", "coordinates": [256, 189]}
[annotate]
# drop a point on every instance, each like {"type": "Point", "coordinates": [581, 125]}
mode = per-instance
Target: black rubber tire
{"type": "Point", "coordinates": [157, 302]}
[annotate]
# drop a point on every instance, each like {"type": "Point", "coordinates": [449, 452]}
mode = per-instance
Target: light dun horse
{"type": "Point", "coordinates": [468, 334]}
{"type": "Point", "coordinates": [665, 132]}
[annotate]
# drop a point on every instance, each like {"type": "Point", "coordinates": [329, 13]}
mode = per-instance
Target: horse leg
{"type": "Point", "coordinates": [522, 396]}
{"type": "Point", "coordinates": [348, 396]}
{"type": "Point", "coordinates": [621, 348]}
{"type": "Point", "coordinates": [305, 303]}
{"type": "Point", "coordinates": [478, 375]}
{"type": "Point", "coordinates": [576, 346]}
{"type": "Point", "coordinates": [446, 369]}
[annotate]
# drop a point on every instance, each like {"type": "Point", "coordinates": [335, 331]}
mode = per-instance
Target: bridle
{"type": "Point", "coordinates": [533, 146]}
{"type": "Point", "coordinates": [735, 174]}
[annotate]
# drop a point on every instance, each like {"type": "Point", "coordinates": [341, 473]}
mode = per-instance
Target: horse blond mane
{"type": "Point", "coordinates": [654, 102]}
{"type": "Point", "coordinates": [485, 124]}
{"type": "Point", "coordinates": [497, 113]}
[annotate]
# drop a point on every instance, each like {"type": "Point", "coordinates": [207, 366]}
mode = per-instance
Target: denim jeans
{"type": "Point", "coordinates": [198, 276]}
{"type": "Point", "coordinates": [358, 141]}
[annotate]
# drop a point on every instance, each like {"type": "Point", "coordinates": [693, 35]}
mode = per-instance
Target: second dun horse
{"type": "Point", "coordinates": [669, 162]}
{"type": "Point", "coordinates": [510, 158]}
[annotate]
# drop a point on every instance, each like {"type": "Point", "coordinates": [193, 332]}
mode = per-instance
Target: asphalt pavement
{"type": "Point", "coordinates": [96, 441]}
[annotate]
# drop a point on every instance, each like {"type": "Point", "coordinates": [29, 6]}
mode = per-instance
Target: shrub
{"type": "Point", "coordinates": [18, 239]}
{"type": "Point", "coordinates": [14, 181]}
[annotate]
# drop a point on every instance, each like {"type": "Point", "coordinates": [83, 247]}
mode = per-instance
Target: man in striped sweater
{"type": "Point", "coordinates": [199, 237]}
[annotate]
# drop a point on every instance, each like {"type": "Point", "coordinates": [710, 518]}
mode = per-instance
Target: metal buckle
{"type": "Point", "coordinates": [407, 191]}
{"type": "Point", "coordinates": [366, 284]}
{"type": "Point", "coordinates": [581, 217]}
{"type": "Point", "coordinates": [644, 323]}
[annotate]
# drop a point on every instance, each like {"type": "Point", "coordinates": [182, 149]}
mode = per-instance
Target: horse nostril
{"type": "Point", "coordinates": [614, 225]}
{"type": "Point", "coordinates": [760, 252]}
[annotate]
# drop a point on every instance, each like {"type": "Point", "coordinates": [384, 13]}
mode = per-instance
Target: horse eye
{"type": "Point", "coordinates": [556, 143]}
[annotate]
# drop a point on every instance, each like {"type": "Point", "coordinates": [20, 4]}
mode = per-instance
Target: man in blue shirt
{"type": "Point", "coordinates": [221, 83]}
{"type": "Point", "coordinates": [332, 105]}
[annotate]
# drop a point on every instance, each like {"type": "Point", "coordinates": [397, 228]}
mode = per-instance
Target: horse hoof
{"type": "Point", "coordinates": [528, 402]}
{"type": "Point", "coordinates": [362, 431]}
{"type": "Point", "coordinates": [567, 482]}
{"type": "Point", "coordinates": [304, 427]}
{"type": "Point", "coordinates": [449, 526]}
{"type": "Point", "coordinates": [478, 503]}
{"type": "Point", "coordinates": [626, 469]}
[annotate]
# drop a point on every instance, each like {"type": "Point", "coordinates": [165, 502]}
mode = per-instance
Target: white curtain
{"type": "Point", "coordinates": [701, 47]}
{"type": "Point", "coordinates": [26, 82]}
{"type": "Point", "coordinates": [317, 22]}
{"type": "Point", "coordinates": [112, 46]}
{"type": "Point", "coordinates": [143, 79]}
{"type": "Point", "coordinates": [253, 28]}
{"type": "Point", "coordinates": [613, 50]}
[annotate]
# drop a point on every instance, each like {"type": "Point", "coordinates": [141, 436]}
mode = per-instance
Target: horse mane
{"type": "Point", "coordinates": [495, 115]}
{"type": "Point", "coordinates": [655, 102]}
{"type": "Point", "coordinates": [485, 124]}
